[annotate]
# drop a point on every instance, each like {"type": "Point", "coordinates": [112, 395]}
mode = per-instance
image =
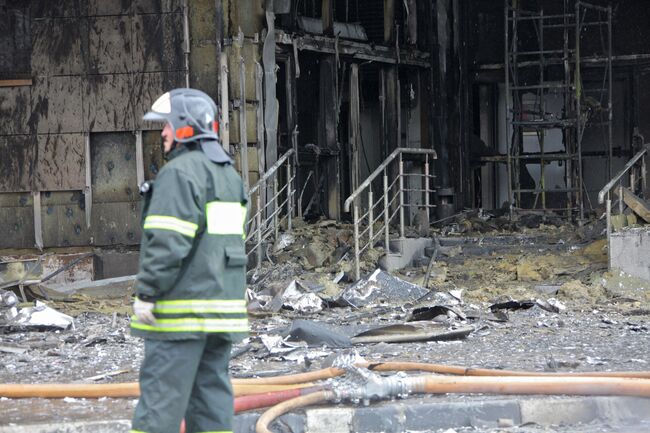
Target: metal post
{"type": "Point", "coordinates": [621, 207]}
{"type": "Point", "coordinates": [609, 230]}
{"type": "Point", "coordinates": [289, 195]}
{"type": "Point", "coordinates": [386, 214]}
{"type": "Point", "coordinates": [357, 270]}
{"type": "Point", "coordinates": [139, 169]}
{"type": "Point", "coordinates": [371, 218]}
{"type": "Point", "coordinates": [401, 198]}
{"type": "Point", "coordinates": [507, 96]}
{"type": "Point", "coordinates": [38, 227]}
{"type": "Point", "coordinates": [610, 90]}
{"type": "Point", "coordinates": [644, 177]}
{"type": "Point", "coordinates": [276, 228]}
{"type": "Point", "coordinates": [243, 127]}
{"type": "Point", "coordinates": [426, 188]}
{"type": "Point", "coordinates": [542, 109]}
{"type": "Point", "coordinates": [186, 41]}
{"type": "Point", "coordinates": [224, 124]}
{"type": "Point", "coordinates": [578, 85]}
{"type": "Point", "coordinates": [258, 223]}
{"type": "Point", "coordinates": [88, 188]}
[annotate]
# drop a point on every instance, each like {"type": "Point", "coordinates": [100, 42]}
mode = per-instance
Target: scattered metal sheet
{"type": "Point", "coordinates": [298, 298]}
{"type": "Point", "coordinates": [318, 334]}
{"type": "Point", "coordinates": [382, 286]}
{"type": "Point", "coordinates": [40, 316]}
{"type": "Point", "coordinates": [275, 344]}
{"type": "Point", "coordinates": [411, 333]}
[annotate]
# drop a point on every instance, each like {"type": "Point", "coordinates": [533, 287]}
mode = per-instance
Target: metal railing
{"type": "Point", "coordinates": [272, 205]}
{"type": "Point", "coordinates": [637, 169]}
{"type": "Point", "coordinates": [392, 200]}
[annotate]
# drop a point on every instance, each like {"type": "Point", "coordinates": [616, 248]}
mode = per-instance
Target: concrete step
{"type": "Point", "coordinates": [425, 414]}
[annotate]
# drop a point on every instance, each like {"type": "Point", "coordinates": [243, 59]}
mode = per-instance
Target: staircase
{"type": "Point", "coordinates": [628, 230]}
{"type": "Point", "coordinates": [395, 196]}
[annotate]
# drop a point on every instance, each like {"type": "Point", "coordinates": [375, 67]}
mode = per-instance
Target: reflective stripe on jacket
{"type": "Point", "coordinates": [192, 255]}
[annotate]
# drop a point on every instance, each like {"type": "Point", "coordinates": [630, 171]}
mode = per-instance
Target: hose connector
{"type": "Point", "coordinates": [362, 385]}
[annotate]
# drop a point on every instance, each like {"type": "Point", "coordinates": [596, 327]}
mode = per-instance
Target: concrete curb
{"type": "Point", "coordinates": [413, 415]}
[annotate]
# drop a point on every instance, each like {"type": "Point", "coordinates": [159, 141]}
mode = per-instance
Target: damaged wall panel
{"type": "Point", "coordinates": [17, 215]}
{"type": "Point", "coordinates": [113, 167]}
{"type": "Point", "coordinates": [156, 42]}
{"type": "Point", "coordinates": [63, 219]}
{"type": "Point", "coordinates": [116, 223]}
{"type": "Point", "coordinates": [57, 104]}
{"type": "Point", "coordinates": [110, 44]}
{"type": "Point", "coordinates": [17, 163]}
{"type": "Point", "coordinates": [107, 104]}
{"type": "Point", "coordinates": [14, 110]}
{"type": "Point", "coordinates": [60, 164]}
{"type": "Point", "coordinates": [60, 46]}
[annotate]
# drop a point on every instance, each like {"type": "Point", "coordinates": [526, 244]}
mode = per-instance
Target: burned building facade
{"type": "Point", "coordinates": [534, 105]}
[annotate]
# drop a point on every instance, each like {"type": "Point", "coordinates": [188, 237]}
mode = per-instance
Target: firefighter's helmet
{"type": "Point", "coordinates": [193, 116]}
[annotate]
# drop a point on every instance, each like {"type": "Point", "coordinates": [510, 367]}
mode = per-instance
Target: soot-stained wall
{"type": "Point", "coordinates": [73, 72]}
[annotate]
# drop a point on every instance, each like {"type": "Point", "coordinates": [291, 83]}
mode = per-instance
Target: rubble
{"type": "Point", "coordinates": [300, 316]}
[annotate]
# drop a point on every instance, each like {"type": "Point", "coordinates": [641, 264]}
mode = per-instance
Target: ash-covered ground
{"type": "Point", "coordinates": [554, 308]}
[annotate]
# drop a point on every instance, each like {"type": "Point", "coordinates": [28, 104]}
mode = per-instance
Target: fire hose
{"type": "Point", "coordinates": [242, 387]}
{"type": "Point", "coordinates": [377, 387]}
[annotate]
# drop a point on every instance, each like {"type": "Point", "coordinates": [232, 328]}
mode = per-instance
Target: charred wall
{"type": "Point", "coordinates": [85, 72]}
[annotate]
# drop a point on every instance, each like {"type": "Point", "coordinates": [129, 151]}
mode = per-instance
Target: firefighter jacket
{"type": "Point", "coordinates": [192, 255]}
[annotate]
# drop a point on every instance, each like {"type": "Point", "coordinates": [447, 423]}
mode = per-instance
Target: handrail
{"type": "Point", "coordinates": [271, 171]}
{"type": "Point", "coordinates": [382, 167]}
{"type": "Point", "coordinates": [389, 207]}
{"type": "Point", "coordinates": [628, 166]}
{"type": "Point", "coordinates": [272, 208]}
{"type": "Point", "coordinates": [618, 180]}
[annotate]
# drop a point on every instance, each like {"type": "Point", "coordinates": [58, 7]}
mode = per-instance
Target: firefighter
{"type": "Point", "coordinates": [189, 304]}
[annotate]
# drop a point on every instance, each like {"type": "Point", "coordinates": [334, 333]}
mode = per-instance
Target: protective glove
{"type": "Point", "coordinates": [144, 311]}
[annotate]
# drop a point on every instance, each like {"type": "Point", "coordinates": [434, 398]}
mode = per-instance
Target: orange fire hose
{"type": "Point", "coordinates": [114, 390]}
{"type": "Point", "coordinates": [280, 383]}
{"type": "Point", "coordinates": [434, 384]}
{"type": "Point", "coordinates": [295, 403]}
{"type": "Point", "coordinates": [328, 373]}
{"type": "Point", "coordinates": [467, 371]}
{"type": "Point", "coordinates": [532, 385]}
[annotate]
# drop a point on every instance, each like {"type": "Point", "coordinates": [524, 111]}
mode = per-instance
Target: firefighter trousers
{"type": "Point", "coordinates": [185, 379]}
